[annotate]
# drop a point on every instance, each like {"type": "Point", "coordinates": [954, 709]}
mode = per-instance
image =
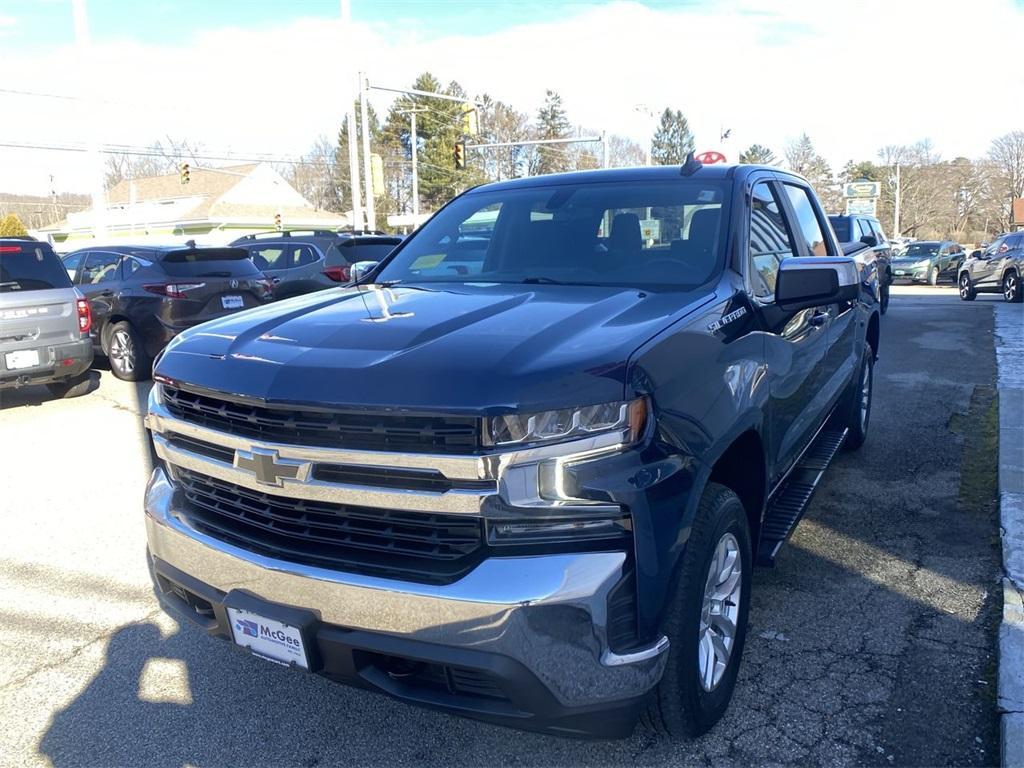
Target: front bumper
{"type": "Point", "coordinates": [58, 362]}
{"type": "Point", "coordinates": [910, 272]}
{"type": "Point", "coordinates": [534, 627]}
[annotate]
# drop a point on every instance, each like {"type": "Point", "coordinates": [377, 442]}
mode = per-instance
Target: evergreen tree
{"type": "Point", "coordinates": [11, 226]}
{"type": "Point", "coordinates": [758, 154]}
{"type": "Point", "coordinates": [672, 140]}
{"type": "Point", "coordinates": [552, 123]}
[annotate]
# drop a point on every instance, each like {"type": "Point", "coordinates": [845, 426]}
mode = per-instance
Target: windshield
{"type": "Point", "coordinates": [921, 249]}
{"type": "Point", "coordinates": [643, 234]}
{"type": "Point", "coordinates": [31, 267]}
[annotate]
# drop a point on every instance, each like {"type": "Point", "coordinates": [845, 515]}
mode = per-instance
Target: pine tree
{"type": "Point", "coordinates": [672, 140]}
{"type": "Point", "coordinates": [758, 154]}
{"type": "Point", "coordinates": [552, 123]}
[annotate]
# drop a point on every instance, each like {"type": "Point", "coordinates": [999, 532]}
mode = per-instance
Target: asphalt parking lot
{"type": "Point", "coordinates": [872, 640]}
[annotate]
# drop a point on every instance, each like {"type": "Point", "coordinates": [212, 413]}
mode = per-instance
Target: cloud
{"type": "Point", "coordinates": [887, 72]}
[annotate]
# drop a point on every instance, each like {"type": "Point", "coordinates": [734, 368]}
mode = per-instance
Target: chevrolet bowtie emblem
{"type": "Point", "coordinates": [271, 469]}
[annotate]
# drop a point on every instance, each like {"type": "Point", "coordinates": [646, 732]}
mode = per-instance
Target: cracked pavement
{"type": "Point", "coordinates": [872, 641]}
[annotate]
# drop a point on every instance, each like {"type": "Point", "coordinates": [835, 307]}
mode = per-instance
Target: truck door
{"type": "Point", "coordinates": [796, 343]}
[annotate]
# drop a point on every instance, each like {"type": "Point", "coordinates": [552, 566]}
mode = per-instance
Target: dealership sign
{"type": "Point", "coordinates": [863, 189]}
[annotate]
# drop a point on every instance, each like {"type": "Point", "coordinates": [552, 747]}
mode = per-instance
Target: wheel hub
{"type": "Point", "coordinates": [719, 612]}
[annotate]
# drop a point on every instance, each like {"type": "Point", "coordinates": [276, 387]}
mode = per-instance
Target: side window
{"type": "Point", "coordinates": [269, 256]}
{"type": "Point", "coordinates": [302, 255]}
{"type": "Point", "coordinates": [877, 230]}
{"type": "Point", "coordinates": [100, 267]}
{"type": "Point", "coordinates": [862, 229]}
{"type": "Point", "coordinates": [73, 262]}
{"type": "Point", "coordinates": [807, 221]}
{"type": "Point", "coordinates": [770, 241]}
{"type": "Point", "coordinates": [1015, 241]}
{"type": "Point", "coordinates": [129, 266]}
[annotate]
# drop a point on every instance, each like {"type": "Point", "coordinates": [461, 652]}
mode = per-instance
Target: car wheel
{"type": "Point", "coordinates": [859, 401]}
{"type": "Point", "coordinates": [933, 276]}
{"type": "Point", "coordinates": [967, 292]}
{"type": "Point", "coordinates": [75, 387]}
{"type": "Point", "coordinates": [883, 304]}
{"type": "Point", "coordinates": [1011, 288]}
{"type": "Point", "coordinates": [127, 357]}
{"type": "Point", "coordinates": [706, 620]}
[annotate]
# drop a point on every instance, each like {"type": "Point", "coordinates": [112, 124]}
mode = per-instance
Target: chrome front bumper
{"type": "Point", "coordinates": [549, 612]}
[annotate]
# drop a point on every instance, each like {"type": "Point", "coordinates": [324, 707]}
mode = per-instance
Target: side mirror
{"type": "Point", "coordinates": [976, 254]}
{"type": "Point", "coordinates": [811, 281]}
{"type": "Point", "coordinates": [360, 269]}
{"type": "Point", "coordinates": [869, 240]}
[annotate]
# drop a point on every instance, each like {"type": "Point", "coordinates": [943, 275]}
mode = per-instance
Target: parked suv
{"type": "Point", "coordinates": [998, 268]}
{"type": "Point", "coordinates": [303, 261]}
{"type": "Point", "coordinates": [44, 321]}
{"type": "Point", "coordinates": [856, 228]}
{"type": "Point", "coordinates": [143, 296]}
{"type": "Point", "coordinates": [926, 260]}
{"type": "Point", "coordinates": [522, 469]}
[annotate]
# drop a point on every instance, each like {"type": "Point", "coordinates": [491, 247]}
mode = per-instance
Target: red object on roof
{"type": "Point", "coordinates": [707, 158]}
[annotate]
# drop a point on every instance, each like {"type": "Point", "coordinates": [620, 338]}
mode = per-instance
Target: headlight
{"type": "Point", "coordinates": [922, 264]}
{"type": "Point", "coordinates": [567, 423]}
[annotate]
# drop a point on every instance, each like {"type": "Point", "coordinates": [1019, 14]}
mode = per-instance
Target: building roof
{"type": "Point", "coordinates": [207, 182]}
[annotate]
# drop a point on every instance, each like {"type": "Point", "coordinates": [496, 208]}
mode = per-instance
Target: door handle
{"type": "Point", "coordinates": [105, 294]}
{"type": "Point", "coordinates": [818, 319]}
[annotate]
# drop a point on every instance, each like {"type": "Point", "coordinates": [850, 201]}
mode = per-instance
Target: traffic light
{"type": "Point", "coordinates": [460, 155]}
{"type": "Point", "coordinates": [277, 221]}
{"type": "Point", "coordinates": [183, 172]}
{"type": "Point", "coordinates": [470, 126]}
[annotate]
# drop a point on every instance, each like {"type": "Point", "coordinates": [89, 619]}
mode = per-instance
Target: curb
{"type": "Point", "coordinates": [1009, 333]}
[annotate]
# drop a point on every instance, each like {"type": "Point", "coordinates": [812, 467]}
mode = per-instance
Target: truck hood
{"type": "Point", "coordinates": [452, 348]}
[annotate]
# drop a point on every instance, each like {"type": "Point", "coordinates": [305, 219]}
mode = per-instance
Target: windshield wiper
{"type": "Point", "coordinates": [541, 281]}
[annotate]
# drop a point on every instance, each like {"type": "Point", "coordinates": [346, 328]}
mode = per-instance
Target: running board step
{"type": "Point", "coordinates": [789, 503]}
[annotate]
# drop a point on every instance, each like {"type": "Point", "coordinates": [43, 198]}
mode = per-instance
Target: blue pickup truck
{"type": "Point", "coordinates": [521, 470]}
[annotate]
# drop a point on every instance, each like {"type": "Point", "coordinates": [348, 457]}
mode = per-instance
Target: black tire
{"type": "Point", "coordinates": [1012, 292]}
{"type": "Point", "coordinates": [75, 387]}
{"type": "Point", "coordinates": [883, 303]}
{"type": "Point", "coordinates": [127, 356]}
{"type": "Point", "coordinates": [933, 275]}
{"type": "Point", "coordinates": [681, 707]}
{"type": "Point", "coordinates": [967, 289]}
{"type": "Point", "coordinates": [858, 413]}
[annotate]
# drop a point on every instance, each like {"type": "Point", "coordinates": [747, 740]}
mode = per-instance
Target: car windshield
{"type": "Point", "coordinates": [922, 249]}
{"type": "Point", "coordinates": [31, 267]}
{"type": "Point", "coordinates": [667, 234]}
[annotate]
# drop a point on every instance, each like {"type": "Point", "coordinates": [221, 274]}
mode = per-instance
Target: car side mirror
{"type": "Point", "coordinates": [811, 281]}
{"type": "Point", "coordinates": [869, 240]}
{"type": "Point", "coordinates": [976, 254]}
{"type": "Point", "coordinates": [360, 269]}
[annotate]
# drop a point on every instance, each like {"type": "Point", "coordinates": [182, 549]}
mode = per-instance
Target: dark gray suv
{"type": "Point", "coordinates": [997, 269]}
{"type": "Point", "coordinates": [303, 261]}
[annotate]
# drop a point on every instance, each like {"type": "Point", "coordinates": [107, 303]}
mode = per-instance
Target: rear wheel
{"type": "Point", "coordinates": [71, 387]}
{"type": "Point", "coordinates": [933, 275]}
{"type": "Point", "coordinates": [967, 292]}
{"type": "Point", "coordinates": [1011, 288]}
{"type": "Point", "coordinates": [706, 620]}
{"type": "Point", "coordinates": [128, 359]}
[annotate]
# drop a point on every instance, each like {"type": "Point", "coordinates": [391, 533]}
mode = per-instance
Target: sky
{"type": "Point", "coordinates": [247, 77]}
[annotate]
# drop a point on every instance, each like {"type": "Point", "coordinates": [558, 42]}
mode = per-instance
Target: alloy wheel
{"type": "Point", "coordinates": [720, 612]}
{"type": "Point", "coordinates": [1010, 287]}
{"type": "Point", "coordinates": [965, 286]}
{"type": "Point", "coordinates": [122, 351]}
{"type": "Point", "coordinates": [865, 396]}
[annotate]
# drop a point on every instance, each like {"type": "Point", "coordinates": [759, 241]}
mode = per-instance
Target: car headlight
{"type": "Point", "coordinates": [568, 423]}
{"type": "Point", "coordinates": [922, 264]}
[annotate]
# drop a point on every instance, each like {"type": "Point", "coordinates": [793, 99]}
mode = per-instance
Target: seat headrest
{"type": "Point", "coordinates": [625, 235]}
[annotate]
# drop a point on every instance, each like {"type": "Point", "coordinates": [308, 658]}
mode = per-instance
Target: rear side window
{"type": "Point", "coordinates": [807, 221]}
{"type": "Point", "coordinates": [302, 255]}
{"type": "Point", "coordinates": [841, 226]}
{"type": "Point", "coordinates": [31, 267]}
{"type": "Point", "coordinates": [269, 256]}
{"type": "Point", "coordinates": [770, 242]}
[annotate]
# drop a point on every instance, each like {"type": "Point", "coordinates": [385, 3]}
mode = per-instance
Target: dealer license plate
{"type": "Point", "coordinates": [231, 302]}
{"type": "Point", "coordinates": [268, 638]}
{"type": "Point", "coordinates": [23, 358]}
{"type": "Point", "coordinates": [900, 273]}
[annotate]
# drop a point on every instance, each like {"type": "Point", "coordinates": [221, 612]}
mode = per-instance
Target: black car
{"type": "Point", "coordinates": [858, 228]}
{"type": "Point", "coordinates": [143, 296]}
{"type": "Point", "coordinates": [303, 261]}
{"type": "Point", "coordinates": [996, 269]}
{"type": "Point", "coordinates": [521, 468]}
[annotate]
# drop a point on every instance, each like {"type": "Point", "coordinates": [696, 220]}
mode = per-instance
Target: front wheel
{"type": "Point", "coordinates": [706, 620]}
{"type": "Point", "coordinates": [1011, 288]}
{"type": "Point", "coordinates": [127, 357]}
{"type": "Point", "coordinates": [858, 402]}
{"type": "Point", "coordinates": [967, 291]}
{"type": "Point", "coordinates": [933, 275]}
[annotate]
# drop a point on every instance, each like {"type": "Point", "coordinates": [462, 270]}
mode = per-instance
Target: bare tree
{"type": "Point", "coordinates": [158, 159]}
{"type": "Point", "coordinates": [315, 178]}
{"type": "Point", "coordinates": [801, 157]}
{"type": "Point", "coordinates": [623, 152]}
{"type": "Point", "coordinates": [1007, 157]}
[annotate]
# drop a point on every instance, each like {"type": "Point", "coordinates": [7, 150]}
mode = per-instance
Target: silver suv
{"type": "Point", "coordinates": [44, 321]}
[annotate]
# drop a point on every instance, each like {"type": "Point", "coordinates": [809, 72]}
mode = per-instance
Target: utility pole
{"type": "Point", "coordinates": [896, 205]}
{"type": "Point", "coordinates": [605, 155]}
{"type": "Point", "coordinates": [413, 144]}
{"type": "Point", "coordinates": [87, 72]}
{"type": "Point", "coordinates": [350, 125]}
{"type": "Point", "coordinates": [371, 219]}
